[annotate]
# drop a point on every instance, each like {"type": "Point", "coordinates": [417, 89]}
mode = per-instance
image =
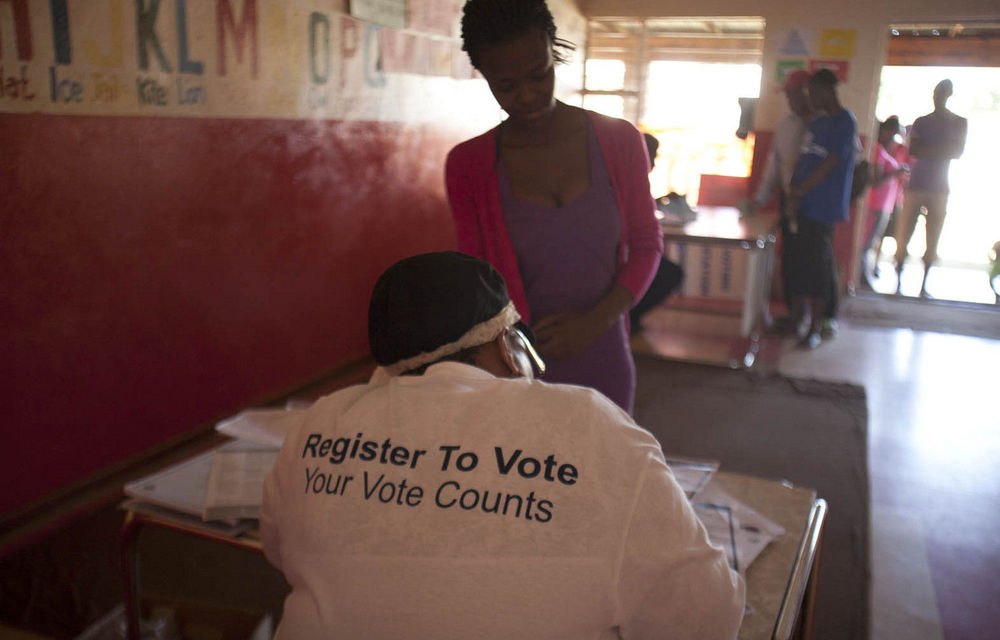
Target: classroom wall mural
{"type": "Point", "coordinates": [225, 58]}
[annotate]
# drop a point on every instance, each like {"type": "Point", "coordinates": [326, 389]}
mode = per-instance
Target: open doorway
{"type": "Point", "coordinates": [972, 225]}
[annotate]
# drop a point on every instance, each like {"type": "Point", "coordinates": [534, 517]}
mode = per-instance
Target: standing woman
{"type": "Point", "coordinates": [557, 199]}
{"type": "Point", "coordinates": [883, 195]}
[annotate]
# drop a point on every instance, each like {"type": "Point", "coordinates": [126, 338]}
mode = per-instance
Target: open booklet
{"type": "Point", "coordinates": [236, 479]}
{"type": "Point", "coordinates": [236, 483]}
{"type": "Point", "coordinates": [223, 485]}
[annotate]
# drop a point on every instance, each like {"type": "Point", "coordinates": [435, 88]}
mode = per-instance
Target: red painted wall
{"type": "Point", "coordinates": [160, 273]}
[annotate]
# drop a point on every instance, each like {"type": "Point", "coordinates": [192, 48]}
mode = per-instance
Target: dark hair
{"type": "Point", "coordinates": [945, 86]}
{"type": "Point", "coordinates": [491, 22]}
{"type": "Point", "coordinates": [825, 77]}
{"type": "Point", "coordinates": [652, 146]}
{"type": "Point", "coordinates": [425, 304]}
{"type": "Point", "coordinates": [892, 122]}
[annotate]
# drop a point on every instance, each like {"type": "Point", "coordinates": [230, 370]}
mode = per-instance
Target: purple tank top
{"type": "Point", "coordinates": [567, 257]}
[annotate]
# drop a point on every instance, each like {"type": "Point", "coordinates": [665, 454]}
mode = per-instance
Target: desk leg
{"type": "Point", "coordinates": [130, 578]}
{"type": "Point", "coordinates": [757, 289]}
{"type": "Point", "coordinates": [751, 294]}
{"type": "Point", "coordinates": [770, 258]}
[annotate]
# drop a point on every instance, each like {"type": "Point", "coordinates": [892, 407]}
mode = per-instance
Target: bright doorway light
{"type": "Point", "coordinates": [693, 110]}
{"type": "Point", "coordinates": [973, 222]}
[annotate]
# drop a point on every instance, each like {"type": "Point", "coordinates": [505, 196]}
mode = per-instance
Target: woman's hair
{"type": "Point", "coordinates": [890, 123]}
{"type": "Point", "coordinates": [491, 22]}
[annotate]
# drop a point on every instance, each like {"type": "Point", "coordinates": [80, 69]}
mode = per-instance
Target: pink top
{"type": "Point", "coordinates": [882, 197]}
{"type": "Point", "coordinates": [902, 156]}
{"type": "Point", "coordinates": [474, 194]}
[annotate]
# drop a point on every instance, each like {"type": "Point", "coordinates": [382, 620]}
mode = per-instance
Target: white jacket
{"type": "Point", "coordinates": [460, 505]}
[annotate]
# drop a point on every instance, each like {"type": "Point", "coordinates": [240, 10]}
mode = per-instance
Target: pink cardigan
{"type": "Point", "coordinates": [474, 194]}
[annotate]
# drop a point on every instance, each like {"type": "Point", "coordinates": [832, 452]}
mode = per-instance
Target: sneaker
{"type": "Point", "coordinates": [802, 328]}
{"type": "Point", "coordinates": [811, 341]}
{"type": "Point", "coordinates": [829, 328]}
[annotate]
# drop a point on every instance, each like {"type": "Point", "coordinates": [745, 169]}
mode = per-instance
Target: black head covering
{"type": "Point", "coordinates": [422, 303]}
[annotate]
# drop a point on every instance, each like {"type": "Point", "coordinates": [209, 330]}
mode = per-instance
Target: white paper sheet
{"type": "Point", "coordinates": [262, 426]}
{"type": "Point", "coordinates": [693, 475]}
{"type": "Point", "coordinates": [732, 525]}
{"type": "Point", "coordinates": [236, 484]}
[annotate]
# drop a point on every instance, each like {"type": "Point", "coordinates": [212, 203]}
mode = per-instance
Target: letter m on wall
{"type": "Point", "coordinates": [245, 30]}
{"type": "Point", "coordinates": [22, 28]}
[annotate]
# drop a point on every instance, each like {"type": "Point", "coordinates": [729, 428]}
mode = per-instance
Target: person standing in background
{"type": "Point", "coordinates": [902, 157]}
{"type": "Point", "coordinates": [778, 174]}
{"type": "Point", "coordinates": [819, 198]}
{"type": "Point", "coordinates": [557, 199]}
{"type": "Point", "coordinates": [883, 195]}
{"type": "Point", "coordinates": [935, 140]}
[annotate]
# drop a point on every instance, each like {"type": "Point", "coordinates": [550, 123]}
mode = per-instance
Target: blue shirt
{"type": "Point", "coordinates": [828, 201]}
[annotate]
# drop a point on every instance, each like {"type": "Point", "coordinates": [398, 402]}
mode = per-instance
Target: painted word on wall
{"type": "Point", "coordinates": [214, 58]}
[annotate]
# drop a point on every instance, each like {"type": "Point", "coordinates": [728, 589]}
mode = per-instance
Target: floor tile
{"type": "Point", "coordinates": [934, 440]}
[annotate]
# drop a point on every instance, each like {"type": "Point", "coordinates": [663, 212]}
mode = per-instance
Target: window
{"type": "Point", "coordinates": [680, 80]}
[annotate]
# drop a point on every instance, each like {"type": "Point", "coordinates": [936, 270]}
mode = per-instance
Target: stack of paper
{"type": "Point", "coordinates": [235, 487]}
{"type": "Point", "coordinates": [263, 426]}
{"type": "Point", "coordinates": [236, 483]}
{"type": "Point", "coordinates": [182, 490]}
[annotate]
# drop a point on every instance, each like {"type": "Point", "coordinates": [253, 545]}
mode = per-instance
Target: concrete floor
{"type": "Point", "coordinates": [960, 283]}
{"type": "Point", "coordinates": [934, 438]}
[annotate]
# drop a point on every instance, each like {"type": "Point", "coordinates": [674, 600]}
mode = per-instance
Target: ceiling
{"type": "Point", "coordinates": [965, 44]}
{"type": "Point", "coordinates": [702, 39]}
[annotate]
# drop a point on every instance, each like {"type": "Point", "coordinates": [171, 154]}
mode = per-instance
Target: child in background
{"type": "Point", "coordinates": [883, 195]}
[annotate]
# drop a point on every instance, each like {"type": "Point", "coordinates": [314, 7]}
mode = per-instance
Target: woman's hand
{"type": "Point", "coordinates": [567, 333]}
{"type": "Point", "coordinates": [562, 335]}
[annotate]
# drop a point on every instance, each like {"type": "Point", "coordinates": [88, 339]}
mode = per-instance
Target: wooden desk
{"type": "Point", "coordinates": [717, 316]}
{"type": "Point", "coordinates": [222, 571]}
{"type": "Point", "coordinates": [780, 582]}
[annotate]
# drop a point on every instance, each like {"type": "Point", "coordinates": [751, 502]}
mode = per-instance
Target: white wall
{"type": "Point", "coordinates": [571, 25]}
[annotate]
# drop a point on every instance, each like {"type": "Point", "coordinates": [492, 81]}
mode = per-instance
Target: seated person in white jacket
{"type": "Point", "coordinates": [454, 496]}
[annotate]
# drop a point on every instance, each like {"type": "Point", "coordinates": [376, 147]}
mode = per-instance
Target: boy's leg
{"type": "Point", "coordinates": [937, 209]}
{"type": "Point", "coordinates": [907, 222]}
{"type": "Point", "coordinates": [817, 238]}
